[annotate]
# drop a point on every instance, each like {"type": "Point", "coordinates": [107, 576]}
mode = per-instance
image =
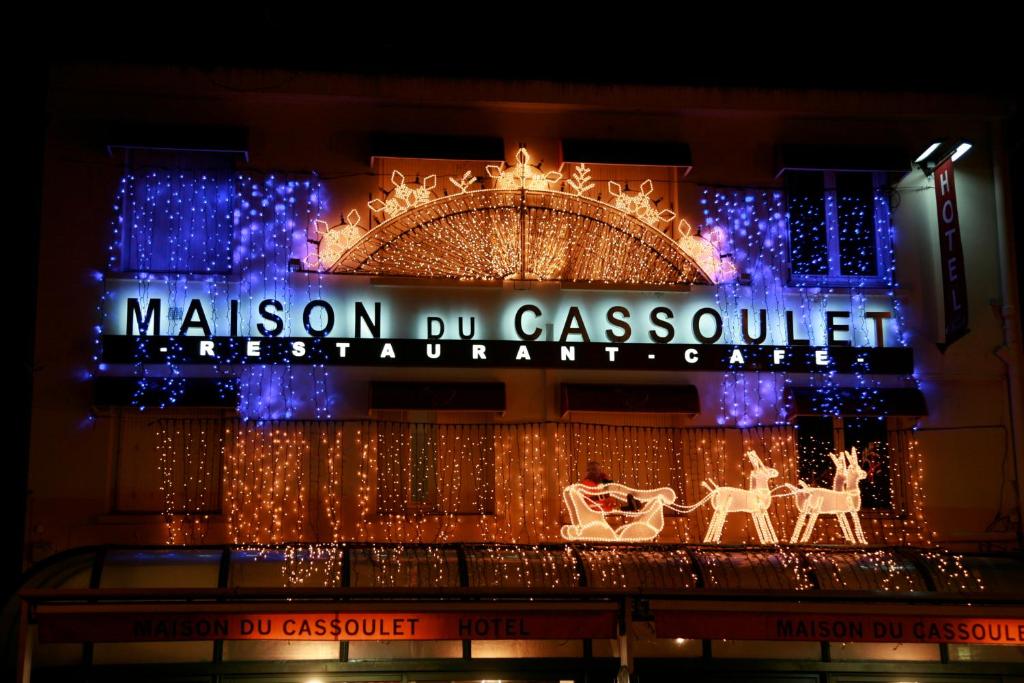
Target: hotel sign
{"type": "Point", "coordinates": [349, 321]}
{"type": "Point", "coordinates": [951, 253]}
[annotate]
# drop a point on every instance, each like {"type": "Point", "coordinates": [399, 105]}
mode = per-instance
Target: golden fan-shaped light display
{"type": "Point", "coordinates": [548, 235]}
{"type": "Point", "coordinates": [524, 228]}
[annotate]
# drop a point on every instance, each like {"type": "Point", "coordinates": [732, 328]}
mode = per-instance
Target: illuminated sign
{"type": "Point", "coordinates": [951, 255]}
{"type": "Point", "coordinates": [57, 626]}
{"type": "Point", "coordinates": [62, 625]}
{"type": "Point", "coordinates": [848, 627]}
{"type": "Point", "coordinates": [353, 322]}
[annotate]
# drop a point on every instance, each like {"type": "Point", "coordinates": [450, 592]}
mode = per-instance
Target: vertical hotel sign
{"type": "Point", "coordinates": [951, 251]}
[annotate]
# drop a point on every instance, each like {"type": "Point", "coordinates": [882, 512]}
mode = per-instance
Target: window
{"type": "Point", "coordinates": [423, 467]}
{"type": "Point", "coordinates": [167, 465]}
{"type": "Point", "coordinates": [817, 436]}
{"type": "Point", "coordinates": [838, 228]}
{"type": "Point", "coordinates": [815, 439]}
{"type": "Point", "coordinates": [176, 214]}
{"type": "Point", "coordinates": [431, 469]}
{"type": "Point", "coordinates": [870, 437]}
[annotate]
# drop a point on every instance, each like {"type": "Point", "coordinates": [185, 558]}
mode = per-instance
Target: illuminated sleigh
{"type": "Point", "coordinates": [590, 523]}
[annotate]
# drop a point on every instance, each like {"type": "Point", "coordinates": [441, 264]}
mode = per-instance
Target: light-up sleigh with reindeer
{"type": "Point", "coordinates": [591, 521]}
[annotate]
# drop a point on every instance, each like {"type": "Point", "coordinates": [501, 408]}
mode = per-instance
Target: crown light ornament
{"type": "Point", "coordinates": [522, 175]}
{"type": "Point", "coordinates": [334, 241]}
{"type": "Point", "coordinates": [640, 204]}
{"type": "Point", "coordinates": [403, 197]}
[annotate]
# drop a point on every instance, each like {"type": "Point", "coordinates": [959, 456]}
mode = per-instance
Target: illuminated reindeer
{"type": "Point", "coordinates": [755, 499]}
{"type": "Point", "coordinates": [841, 500]}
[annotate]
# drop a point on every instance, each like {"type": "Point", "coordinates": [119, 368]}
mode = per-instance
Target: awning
{"type": "Point", "coordinates": [628, 153]}
{"type": "Point", "coordinates": [405, 570]}
{"type": "Point", "coordinates": [903, 401]}
{"type": "Point", "coordinates": [456, 147]}
{"type": "Point", "coordinates": [206, 392]}
{"type": "Point", "coordinates": [462, 396]}
{"type": "Point", "coordinates": [681, 399]}
{"type": "Point", "coordinates": [841, 158]}
{"type": "Point", "coordinates": [227, 140]}
{"type": "Point", "coordinates": [493, 591]}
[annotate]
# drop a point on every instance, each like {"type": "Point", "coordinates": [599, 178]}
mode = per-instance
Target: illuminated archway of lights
{"type": "Point", "coordinates": [527, 226]}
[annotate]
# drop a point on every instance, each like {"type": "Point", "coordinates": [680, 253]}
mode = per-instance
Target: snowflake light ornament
{"type": "Point", "coordinates": [334, 242]}
{"type": "Point", "coordinates": [639, 204]}
{"type": "Point", "coordinates": [403, 197]}
{"type": "Point", "coordinates": [522, 175]}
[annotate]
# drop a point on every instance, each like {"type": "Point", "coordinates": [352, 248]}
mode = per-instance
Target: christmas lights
{"type": "Point", "coordinates": [188, 456]}
{"type": "Point", "coordinates": [334, 241]}
{"type": "Point", "coordinates": [590, 522]}
{"type": "Point", "coordinates": [231, 236]}
{"type": "Point", "coordinates": [581, 181]}
{"type": "Point", "coordinates": [841, 500]}
{"type": "Point", "coordinates": [282, 481]}
{"type": "Point", "coordinates": [752, 226]}
{"type": "Point", "coordinates": [403, 197]}
{"type": "Point", "coordinates": [639, 204]}
{"type": "Point", "coordinates": [490, 483]}
{"type": "Point", "coordinates": [755, 500]}
{"type": "Point", "coordinates": [522, 175]}
{"type": "Point", "coordinates": [465, 182]}
{"type": "Point", "coordinates": [770, 238]}
{"type": "Point", "coordinates": [504, 483]}
{"type": "Point", "coordinates": [480, 234]}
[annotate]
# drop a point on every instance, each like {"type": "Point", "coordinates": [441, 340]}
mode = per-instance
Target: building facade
{"type": "Point", "coordinates": [419, 379]}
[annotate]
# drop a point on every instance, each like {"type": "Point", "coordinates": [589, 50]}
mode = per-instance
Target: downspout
{"type": "Point", "coordinates": [1010, 351]}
